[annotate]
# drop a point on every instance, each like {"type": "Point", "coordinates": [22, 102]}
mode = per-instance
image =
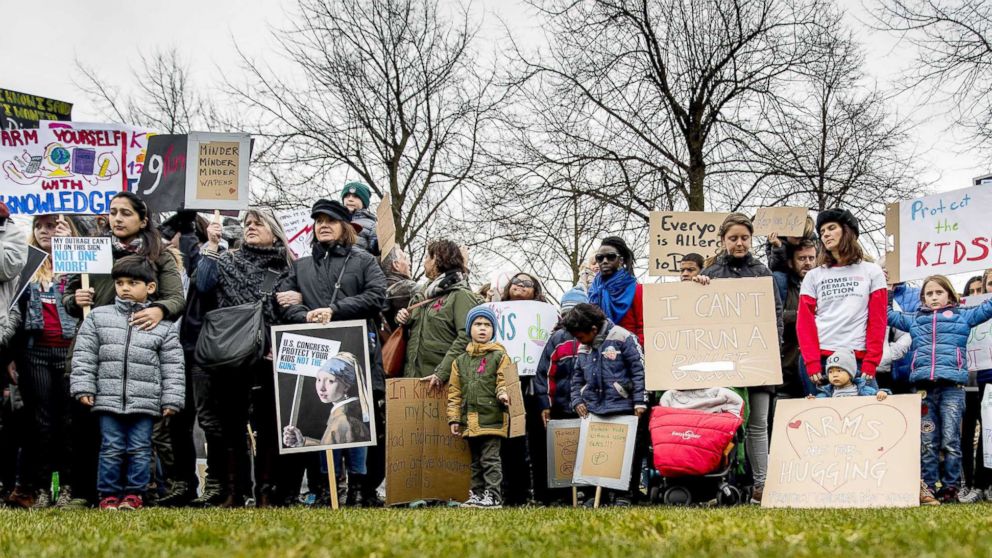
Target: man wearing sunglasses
{"type": "Point", "coordinates": [615, 289]}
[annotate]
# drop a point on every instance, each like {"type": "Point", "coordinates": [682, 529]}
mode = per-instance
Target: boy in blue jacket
{"type": "Point", "coordinates": [843, 380]}
{"type": "Point", "coordinates": [608, 376]}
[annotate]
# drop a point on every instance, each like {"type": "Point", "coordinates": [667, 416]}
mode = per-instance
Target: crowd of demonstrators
{"type": "Point", "coordinates": [109, 401]}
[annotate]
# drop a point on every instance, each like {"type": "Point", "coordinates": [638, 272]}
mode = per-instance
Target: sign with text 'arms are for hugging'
{"type": "Point", "coordinates": [675, 234]}
{"type": "Point", "coordinates": [82, 255]}
{"type": "Point", "coordinates": [724, 334]}
{"type": "Point", "coordinates": [217, 170]}
{"type": "Point", "coordinates": [942, 234]}
{"type": "Point", "coordinates": [606, 451]}
{"type": "Point", "coordinates": [523, 328]}
{"type": "Point", "coordinates": [845, 452]}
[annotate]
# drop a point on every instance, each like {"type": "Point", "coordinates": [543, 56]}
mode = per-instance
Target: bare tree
{"type": "Point", "coordinates": [164, 98]}
{"type": "Point", "coordinates": [387, 92]}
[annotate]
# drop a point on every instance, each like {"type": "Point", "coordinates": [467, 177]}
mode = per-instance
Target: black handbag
{"type": "Point", "coordinates": [234, 337]}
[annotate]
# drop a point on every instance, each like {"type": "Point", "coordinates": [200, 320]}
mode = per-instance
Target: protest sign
{"type": "Point", "coordinates": [785, 221]}
{"type": "Point", "coordinates": [980, 338]}
{"type": "Point", "coordinates": [523, 328]}
{"type": "Point", "coordinates": [515, 409]}
{"type": "Point", "coordinates": [986, 410]}
{"type": "Point", "coordinates": [606, 451]}
{"type": "Point", "coordinates": [80, 254]}
{"type": "Point", "coordinates": [162, 183]}
{"type": "Point", "coordinates": [940, 234]}
{"type": "Point", "coordinates": [845, 452]}
{"type": "Point", "coordinates": [36, 258]}
{"type": "Point", "coordinates": [24, 110]}
{"type": "Point", "coordinates": [563, 445]}
{"type": "Point", "coordinates": [299, 230]}
{"type": "Point", "coordinates": [66, 167]}
{"type": "Point", "coordinates": [385, 227]}
{"type": "Point", "coordinates": [217, 170]}
{"type": "Point", "coordinates": [423, 460]}
{"type": "Point", "coordinates": [675, 234]}
{"type": "Point", "coordinates": [724, 334]}
{"type": "Point", "coordinates": [322, 410]}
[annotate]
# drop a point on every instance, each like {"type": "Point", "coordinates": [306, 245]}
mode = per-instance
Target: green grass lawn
{"type": "Point", "coordinates": [519, 533]}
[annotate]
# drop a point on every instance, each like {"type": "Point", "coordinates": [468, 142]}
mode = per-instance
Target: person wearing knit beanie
{"type": "Point", "coordinates": [358, 190]}
{"type": "Point", "coordinates": [572, 297]}
{"type": "Point", "coordinates": [481, 311]}
{"type": "Point", "coordinates": [843, 360]}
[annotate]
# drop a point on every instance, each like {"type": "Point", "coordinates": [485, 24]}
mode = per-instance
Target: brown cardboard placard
{"type": "Point", "coordinates": [385, 227]}
{"type": "Point", "coordinates": [423, 460]}
{"type": "Point", "coordinates": [785, 221]}
{"type": "Point", "coordinates": [606, 451]}
{"type": "Point", "coordinates": [673, 234]}
{"type": "Point", "coordinates": [518, 422]}
{"type": "Point", "coordinates": [845, 452]}
{"type": "Point", "coordinates": [563, 446]}
{"type": "Point", "coordinates": [892, 243]}
{"type": "Point", "coordinates": [217, 170]}
{"type": "Point", "coordinates": [724, 334]}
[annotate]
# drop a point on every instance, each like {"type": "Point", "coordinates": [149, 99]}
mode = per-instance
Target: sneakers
{"type": "Point", "coordinates": [65, 498]}
{"type": "Point", "coordinates": [473, 500]}
{"type": "Point", "coordinates": [948, 495]}
{"type": "Point", "coordinates": [20, 498]}
{"type": "Point", "coordinates": [969, 495]}
{"type": "Point", "coordinates": [110, 503]}
{"type": "Point", "coordinates": [926, 496]}
{"type": "Point", "coordinates": [756, 494]}
{"type": "Point", "coordinates": [490, 501]}
{"type": "Point", "coordinates": [42, 500]}
{"type": "Point", "coordinates": [130, 502]}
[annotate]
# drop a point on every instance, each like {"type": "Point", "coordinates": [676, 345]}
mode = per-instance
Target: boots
{"type": "Point", "coordinates": [180, 494]}
{"type": "Point", "coordinates": [370, 495]}
{"type": "Point", "coordinates": [355, 482]}
{"type": "Point", "coordinates": [232, 488]}
{"type": "Point", "coordinates": [212, 494]}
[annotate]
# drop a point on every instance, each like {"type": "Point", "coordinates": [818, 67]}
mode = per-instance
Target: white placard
{"type": "Point", "coordinates": [82, 254]}
{"type": "Point", "coordinates": [300, 354]}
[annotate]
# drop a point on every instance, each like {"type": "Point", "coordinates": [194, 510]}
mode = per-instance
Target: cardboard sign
{"type": "Point", "coordinates": [66, 167]}
{"type": "Point", "coordinates": [423, 460]}
{"type": "Point", "coordinates": [675, 234]}
{"type": "Point", "coordinates": [563, 446]}
{"type": "Point", "coordinates": [36, 259]}
{"type": "Point", "coordinates": [724, 334]}
{"type": "Point", "coordinates": [606, 451]}
{"type": "Point", "coordinates": [523, 329]}
{"type": "Point", "coordinates": [986, 410]}
{"type": "Point", "coordinates": [845, 452]}
{"type": "Point", "coordinates": [942, 234]}
{"type": "Point", "coordinates": [299, 230]}
{"type": "Point", "coordinates": [300, 354]}
{"type": "Point", "coordinates": [312, 412]}
{"type": "Point", "coordinates": [385, 227]}
{"type": "Point", "coordinates": [82, 254]}
{"type": "Point", "coordinates": [163, 178]}
{"type": "Point", "coordinates": [217, 170]}
{"type": "Point", "coordinates": [24, 110]}
{"type": "Point", "coordinates": [980, 338]}
{"type": "Point", "coordinates": [518, 422]}
{"type": "Point", "coordinates": [785, 221]}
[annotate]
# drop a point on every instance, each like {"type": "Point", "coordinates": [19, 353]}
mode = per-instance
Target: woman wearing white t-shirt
{"type": "Point", "coordinates": [843, 301]}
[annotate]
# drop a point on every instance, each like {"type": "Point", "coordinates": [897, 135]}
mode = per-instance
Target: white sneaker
{"type": "Point", "coordinates": [490, 501]}
{"type": "Point", "coordinates": [473, 500]}
{"type": "Point", "coordinates": [969, 495]}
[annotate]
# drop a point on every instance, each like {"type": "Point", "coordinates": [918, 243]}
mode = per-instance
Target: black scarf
{"type": "Point", "coordinates": [241, 274]}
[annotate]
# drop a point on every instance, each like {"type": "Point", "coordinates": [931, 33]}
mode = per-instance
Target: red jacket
{"type": "Point", "coordinates": [633, 320]}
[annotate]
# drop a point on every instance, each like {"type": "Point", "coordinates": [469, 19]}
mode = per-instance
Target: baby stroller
{"type": "Point", "coordinates": [696, 442]}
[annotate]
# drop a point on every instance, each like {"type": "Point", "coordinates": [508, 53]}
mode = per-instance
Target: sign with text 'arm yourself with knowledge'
{"type": "Point", "coordinates": [724, 334]}
{"type": "Point", "coordinates": [942, 234]}
{"type": "Point", "coordinates": [675, 234]}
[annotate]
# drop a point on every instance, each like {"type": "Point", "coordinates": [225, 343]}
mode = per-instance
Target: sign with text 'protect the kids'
{"type": "Point", "coordinates": [523, 328]}
{"type": "Point", "coordinates": [82, 255]}
{"type": "Point", "coordinates": [942, 234]}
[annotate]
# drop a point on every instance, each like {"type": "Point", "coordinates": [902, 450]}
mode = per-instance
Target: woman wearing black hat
{"type": "Point", "coordinates": [842, 302]}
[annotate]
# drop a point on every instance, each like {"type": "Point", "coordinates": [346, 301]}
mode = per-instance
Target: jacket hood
{"type": "Point", "coordinates": [476, 349]}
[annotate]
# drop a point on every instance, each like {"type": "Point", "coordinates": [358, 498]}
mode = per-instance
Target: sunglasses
{"type": "Point", "coordinates": [525, 283]}
{"type": "Point", "coordinates": [608, 257]}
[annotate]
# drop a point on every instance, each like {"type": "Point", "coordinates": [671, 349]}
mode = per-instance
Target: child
{"type": "Point", "coordinates": [356, 197]}
{"type": "Point", "coordinates": [608, 376]}
{"type": "Point", "coordinates": [940, 330]}
{"type": "Point", "coordinates": [129, 376]}
{"type": "Point", "coordinates": [476, 406]}
{"type": "Point", "coordinates": [843, 379]}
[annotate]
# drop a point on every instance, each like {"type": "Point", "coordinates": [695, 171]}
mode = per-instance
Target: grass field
{"type": "Point", "coordinates": [519, 533]}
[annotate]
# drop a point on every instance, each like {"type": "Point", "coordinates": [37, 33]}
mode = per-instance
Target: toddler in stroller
{"type": "Point", "coordinates": [695, 439]}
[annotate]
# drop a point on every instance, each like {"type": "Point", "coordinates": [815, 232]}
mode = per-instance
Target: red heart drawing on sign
{"type": "Point", "coordinates": [824, 431]}
{"type": "Point", "coordinates": [795, 424]}
{"type": "Point", "coordinates": [231, 190]}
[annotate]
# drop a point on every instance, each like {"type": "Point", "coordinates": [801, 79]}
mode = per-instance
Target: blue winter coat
{"type": "Point", "coordinates": [940, 340]}
{"type": "Point", "coordinates": [859, 382]}
{"type": "Point", "coordinates": [552, 383]}
{"type": "Point", "coordinates": [908, 299]}
{"type": "Point", "coordinates": [609, 375]}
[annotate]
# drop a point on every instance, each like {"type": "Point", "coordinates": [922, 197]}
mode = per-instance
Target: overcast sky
{"type": "Point", "coordinates": [43, 41]}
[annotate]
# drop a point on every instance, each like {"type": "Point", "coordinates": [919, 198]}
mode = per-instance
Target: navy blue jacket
{"type": "Point", "coordinates": [552, 383]}
{"type": "Point", "coordinates": [609, 375]}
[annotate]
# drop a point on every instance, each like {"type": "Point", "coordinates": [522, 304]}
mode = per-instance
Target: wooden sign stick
{"type": "Point", "coordinates": [86, 287]}
{"type": "Point", "coordinates": [599, 493]}
{"type": "Point", "coordinates": [575, 496]}
{"type": "Point", "coordinates": [332, 480]}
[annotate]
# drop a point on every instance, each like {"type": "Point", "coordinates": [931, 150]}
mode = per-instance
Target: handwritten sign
{"type": "Point", "coordinates": [724, 334]}
{"type": "Point", "coordinates": [516, 409]}
{"type": "Point", "coordinates": [563, 446]}
{"type": "Point", "coordinates": [299, 230]}
{"type": "Point", "coordinates": [24, 110]}
{"type": "Point", "coordinates": [385, 227]}
{"type": "Point", "coordinates": [845, 452]}
{"type": "Point", "coordinates": [980, 339]}
{"type": "Point", "coordinates": [523, 328]}
{"type": "Point", "coordinates": [943, 234]}
{"type": "Point", "coordinates": [785, 221]}
{"type": "Point", "coordinates": [68, 167]}
{"type": "Point", "coordinates": [606, 451]}
{"type": "Point", "coordinates": [675, 234]}
{"type": "Point", "coordinates": [82, 255]}
{"type": "Point", "coordinates": [217, 170]}
{"type": "Point", "coordinates": [987, 427]}
{"type": "Point", "coordinates": [163, 179]}
{"type": "Point", "coordinates": [300, 354]}
{"type": "Point", "coordinates": [423, 460]}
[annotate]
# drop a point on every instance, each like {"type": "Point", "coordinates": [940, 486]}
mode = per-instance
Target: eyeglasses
{"type": "Point", "coordinates": [607, 257]}
{"type": "Point", "coordinates": [525, 283]}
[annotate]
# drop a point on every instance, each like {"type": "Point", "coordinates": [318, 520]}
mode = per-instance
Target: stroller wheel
{"type": "Point", "coordinates": [729, 495]}
{"type": "Point", "coordinates": [677, 496]}
{"type": "Point", "coordinates": [654, 494]}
